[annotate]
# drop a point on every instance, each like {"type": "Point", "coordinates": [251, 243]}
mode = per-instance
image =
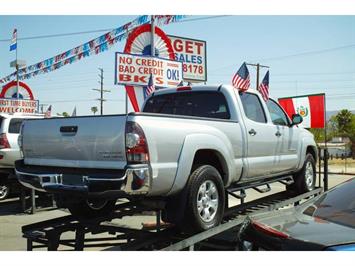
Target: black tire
{"type": "Point", "coordinates": [212, 205]}
{"type": "Point", "coordinates": [4, 191]}
{"type": "Point", "coordinates": [303, 181]}
{"type": "Point", "coordinates": [86, 209]}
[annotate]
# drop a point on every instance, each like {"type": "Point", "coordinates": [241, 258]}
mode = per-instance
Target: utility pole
{"type": "Point", "coordinates": [101, 90]}
{"type": "Point", "coordinates": [42, 107]}
{"type": "Point", "coordinates": [258, 66]}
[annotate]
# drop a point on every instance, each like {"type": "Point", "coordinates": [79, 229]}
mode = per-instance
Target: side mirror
{"type": "Point", "coordinates": [296, 119]}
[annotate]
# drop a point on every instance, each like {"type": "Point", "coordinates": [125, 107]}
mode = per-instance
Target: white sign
{"type": "Point", "coordinates": [135, 70]}
{"type": "Point", "coordinates": [192, 53]}
{"type": "Point", "coordinates": [18, 106]}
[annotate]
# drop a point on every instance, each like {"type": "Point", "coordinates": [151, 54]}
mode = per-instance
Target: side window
{"type": "Point", "coordinates": [278, 116]}
{"type": "Point", "coordinates": [252, 107]}
{"type": "Point", "coordinates": [15, 125]}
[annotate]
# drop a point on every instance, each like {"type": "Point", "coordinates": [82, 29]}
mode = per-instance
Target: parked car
{"type": "Point", "coordinates": [9, 151]}
{"type": "Point", "coordinates": [326, 222]}
{"type": "Point", "coordinates": [186, 147]}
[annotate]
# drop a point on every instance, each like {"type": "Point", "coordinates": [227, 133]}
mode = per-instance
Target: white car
{"type": "Point", "coordinates": [9, 150]}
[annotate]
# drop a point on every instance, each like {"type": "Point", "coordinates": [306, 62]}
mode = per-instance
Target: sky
{"type": "Point", "coordinates": [305, 55]}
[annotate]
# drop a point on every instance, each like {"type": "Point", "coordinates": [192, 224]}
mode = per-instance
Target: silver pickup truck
{"type": "Point", "coordinates": [185, 148]}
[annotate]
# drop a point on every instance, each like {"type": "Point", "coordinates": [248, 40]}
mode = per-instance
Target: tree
{"type": "Point", "coordinates": [65, 114]}
{"type": "Point", "coordinates": [94, 109]}
{"type": "Point", "coordinates": [343, 120]}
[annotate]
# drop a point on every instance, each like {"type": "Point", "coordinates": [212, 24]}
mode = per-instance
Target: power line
{"type": "Point", "coordinates": [315, 73]}
{"type": "Point", "coordinates": [98, 30]}
{"type": "Point", "coordinates": [298, 74]}
{"type": "Point", "coordinates": [78, 100]}
{"type": "Point", "coordinates": [297, 54]}
{"type": "Point", "coordinates": [202, 18]}
{"type": "Point", "coordinates": [310, 52]}
{"type": "Point", "coordinates": [57, 35]}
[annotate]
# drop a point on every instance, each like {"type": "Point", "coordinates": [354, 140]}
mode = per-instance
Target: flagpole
{"type": "Point", "coordinates": [257, 75]}
{"type": "Point", "coordinates": [17, 67]}
{"type": "Point", "coordinates": [325, 154]}
{"type": "Point", "coordinates": [126, 94]}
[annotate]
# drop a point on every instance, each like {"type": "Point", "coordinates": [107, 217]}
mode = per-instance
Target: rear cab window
{"type": "Point", "coordinates": [15, 125]}
{"type": "Point", "coordinates": [252, 106]}
{"type": "Point", "coordinates": [208, 104]}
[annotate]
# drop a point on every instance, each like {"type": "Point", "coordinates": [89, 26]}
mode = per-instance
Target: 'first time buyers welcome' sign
{"type": "Point", "coordinates": [135, 70]}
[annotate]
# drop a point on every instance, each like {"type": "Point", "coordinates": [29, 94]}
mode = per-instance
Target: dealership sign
{"type": "Point", "coordinates": [135, 70]}
{"type": "Point", "coordinates": [192, 53]}
{"type": "Point", "coordinates": [21, 100]}
{"type": "Point", "coordinates": [18, 106]}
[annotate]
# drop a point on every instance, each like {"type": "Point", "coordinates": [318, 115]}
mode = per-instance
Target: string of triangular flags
{"type": "Point", "coordinates": [241, 82]}
{"type": "Point", "coordinates": [92, 47]}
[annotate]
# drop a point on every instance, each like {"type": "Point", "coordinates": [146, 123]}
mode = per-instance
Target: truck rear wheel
{"type": "Point", "coordinates": [305, 179]}
{"type": "Point", "coordinates": [91, 208]}
{"type": "Point", "coordinates": [206, 199]}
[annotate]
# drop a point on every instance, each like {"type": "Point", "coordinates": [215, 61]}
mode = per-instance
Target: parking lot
{"type": "Point", "coordinates": [12, 219]}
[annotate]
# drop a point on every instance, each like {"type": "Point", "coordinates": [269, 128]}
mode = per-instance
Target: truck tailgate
{"type": "Point", "coordinates": [85, 142]}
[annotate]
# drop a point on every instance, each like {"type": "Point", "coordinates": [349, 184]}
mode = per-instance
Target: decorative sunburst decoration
{"type": "Point", "coordinates": [139, 43]}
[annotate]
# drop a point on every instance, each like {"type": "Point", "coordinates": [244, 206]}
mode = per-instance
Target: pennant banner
{"type": "Point", "coordinates": [93, 47]}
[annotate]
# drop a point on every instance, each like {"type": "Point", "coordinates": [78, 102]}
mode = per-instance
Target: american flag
{"type": "Point", "coordinates": [241, 79]}
{"type": "Point", "coordinates": [150, 88]}
{"type": "Point", "coordinates": [48, 113]}
{"type": "Point", "coordinates": [13, 45]}
{"type": "Point", "coordinates": [264, 87]}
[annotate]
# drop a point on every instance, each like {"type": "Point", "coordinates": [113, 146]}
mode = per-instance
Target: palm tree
{"type": "Point", "coordinates": [65, 114]}
{"type": "Point", "coordinates": [343, 119]}
{"type": "Point", "coordinates": [94, 109]}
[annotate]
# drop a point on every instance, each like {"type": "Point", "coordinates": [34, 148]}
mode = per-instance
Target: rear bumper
{"type": "Point", "coordinates": [8, 157]}
{"type": "Point", "coordinates": [134, 180]}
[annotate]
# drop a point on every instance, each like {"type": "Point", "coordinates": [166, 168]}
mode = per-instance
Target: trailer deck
{"type": "Point", "coordinates": [48, 234]}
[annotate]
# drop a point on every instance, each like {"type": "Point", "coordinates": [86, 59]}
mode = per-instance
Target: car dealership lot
{"type": "Point", "coordinates": [11, 218]}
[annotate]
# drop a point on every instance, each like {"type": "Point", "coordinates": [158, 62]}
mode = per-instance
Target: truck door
{"type": "Point", "coordinates": [262, 143]}
{"type": "Point", "coordinates": [287, 137]}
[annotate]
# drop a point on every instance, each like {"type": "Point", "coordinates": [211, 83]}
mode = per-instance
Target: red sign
{"type": "Point", "coordinates": [192, 54]}
{"type": "Point", "coordinates": [136, 70]}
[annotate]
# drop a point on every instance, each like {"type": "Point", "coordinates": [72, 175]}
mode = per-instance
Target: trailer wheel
{"type": "Point", "coordinates": [206, 199]}
{"type": "Point", "coordinates": [4, 191]}
{"type": "Point", "coordinates": [305, 179]}
{"type": "Point", "coordinates": [91, 208]}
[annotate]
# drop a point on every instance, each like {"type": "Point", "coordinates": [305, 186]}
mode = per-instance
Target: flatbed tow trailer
{"type": "Point", "coordinates": [47, 234]}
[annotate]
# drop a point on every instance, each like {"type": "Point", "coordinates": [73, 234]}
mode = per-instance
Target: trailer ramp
{"type": "Point", "coordinates": [48, 234]}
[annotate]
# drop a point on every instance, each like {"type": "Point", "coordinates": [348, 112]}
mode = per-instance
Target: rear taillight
{"type": "Point", "coordinates": [4, 143]}
{"type": "Point", "coordinates": [268, 230]}
{"type": "Point", "coordinates": [136, 144]}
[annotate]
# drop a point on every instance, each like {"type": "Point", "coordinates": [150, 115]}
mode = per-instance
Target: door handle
{"type": "Point", "coordinates": [69, 130]}
{"type": "Point", "coordinates": [252, 132]}
{"type": "Point", "coordinates": [278, 134]}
